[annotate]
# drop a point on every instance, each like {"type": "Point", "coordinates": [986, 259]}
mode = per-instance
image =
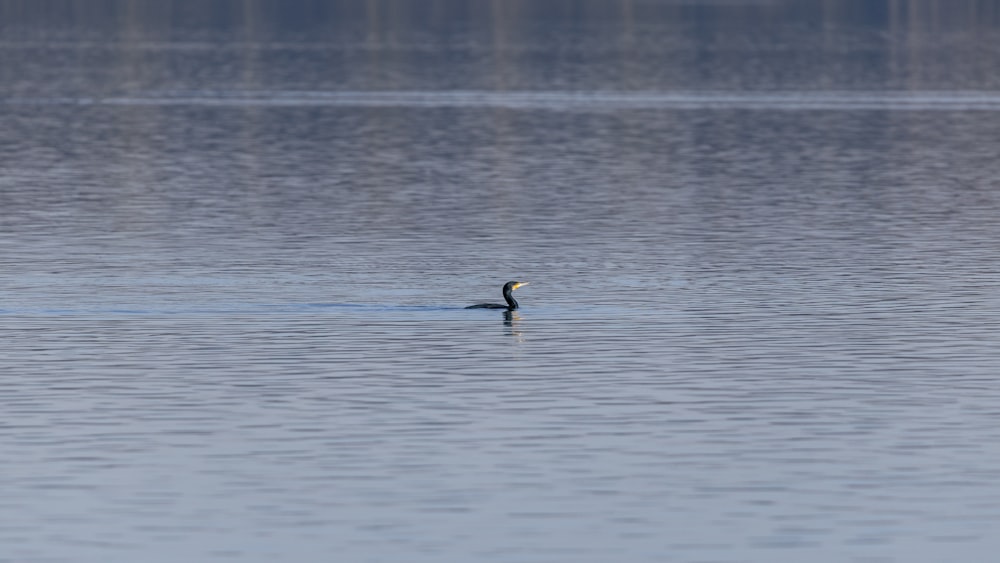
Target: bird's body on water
{"type": "Point", "coordinates": [508, 288]}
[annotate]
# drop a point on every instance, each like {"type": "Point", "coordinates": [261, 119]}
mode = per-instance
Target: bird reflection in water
{"type": "Point", "coordinates": [511, 320]}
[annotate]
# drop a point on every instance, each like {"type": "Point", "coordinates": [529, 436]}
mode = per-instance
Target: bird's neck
{"type": "Point", "coordinates": [511, 302]}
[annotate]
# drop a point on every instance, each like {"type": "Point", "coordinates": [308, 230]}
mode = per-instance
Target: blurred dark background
{"type": "Point", "coordinates": [261, 16]}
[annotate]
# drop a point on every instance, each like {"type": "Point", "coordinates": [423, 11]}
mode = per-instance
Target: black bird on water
{"type": "Point", "coordinates": [507, 289]}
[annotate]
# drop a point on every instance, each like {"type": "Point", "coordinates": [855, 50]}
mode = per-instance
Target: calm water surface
{"type": "Point", "coordinates": [763, 321]}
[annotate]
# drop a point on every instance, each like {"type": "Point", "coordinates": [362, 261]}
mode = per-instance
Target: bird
{"type": "Point", "coordinates": [507, 289]}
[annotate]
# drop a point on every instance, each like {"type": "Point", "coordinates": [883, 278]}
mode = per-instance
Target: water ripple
{"type": "Point", "coordinates": [552, 100]}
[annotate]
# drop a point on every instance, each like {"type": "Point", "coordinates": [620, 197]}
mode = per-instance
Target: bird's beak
{"type": "Point", "coordinates": [520, 284]}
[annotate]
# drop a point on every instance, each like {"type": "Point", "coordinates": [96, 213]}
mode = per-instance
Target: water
{"type": "Point", "coordinates": [762, 323]}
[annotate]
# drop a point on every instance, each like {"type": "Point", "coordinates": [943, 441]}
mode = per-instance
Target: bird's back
{"type": "Point", "coordinates": [487, 306]}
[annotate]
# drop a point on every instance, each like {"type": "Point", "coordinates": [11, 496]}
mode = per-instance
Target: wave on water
{"type": "Point", "coordinates": [551, 100]}
{"type": "Point", "coordinates": [235, 309]}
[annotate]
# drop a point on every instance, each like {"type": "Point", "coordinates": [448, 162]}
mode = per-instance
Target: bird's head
{"type": "Point", "coordinates": [512, 285]}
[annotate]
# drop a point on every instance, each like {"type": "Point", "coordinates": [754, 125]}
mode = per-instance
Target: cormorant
{"type": "Point", "coordinates": [507, 289]}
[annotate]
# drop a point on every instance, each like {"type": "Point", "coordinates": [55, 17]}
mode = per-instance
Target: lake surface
{"type": "Point", "coordinates": [236, 245]}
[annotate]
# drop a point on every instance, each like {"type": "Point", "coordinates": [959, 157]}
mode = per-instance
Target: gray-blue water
{"type": "Point", "coordinates": [236, 241]}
